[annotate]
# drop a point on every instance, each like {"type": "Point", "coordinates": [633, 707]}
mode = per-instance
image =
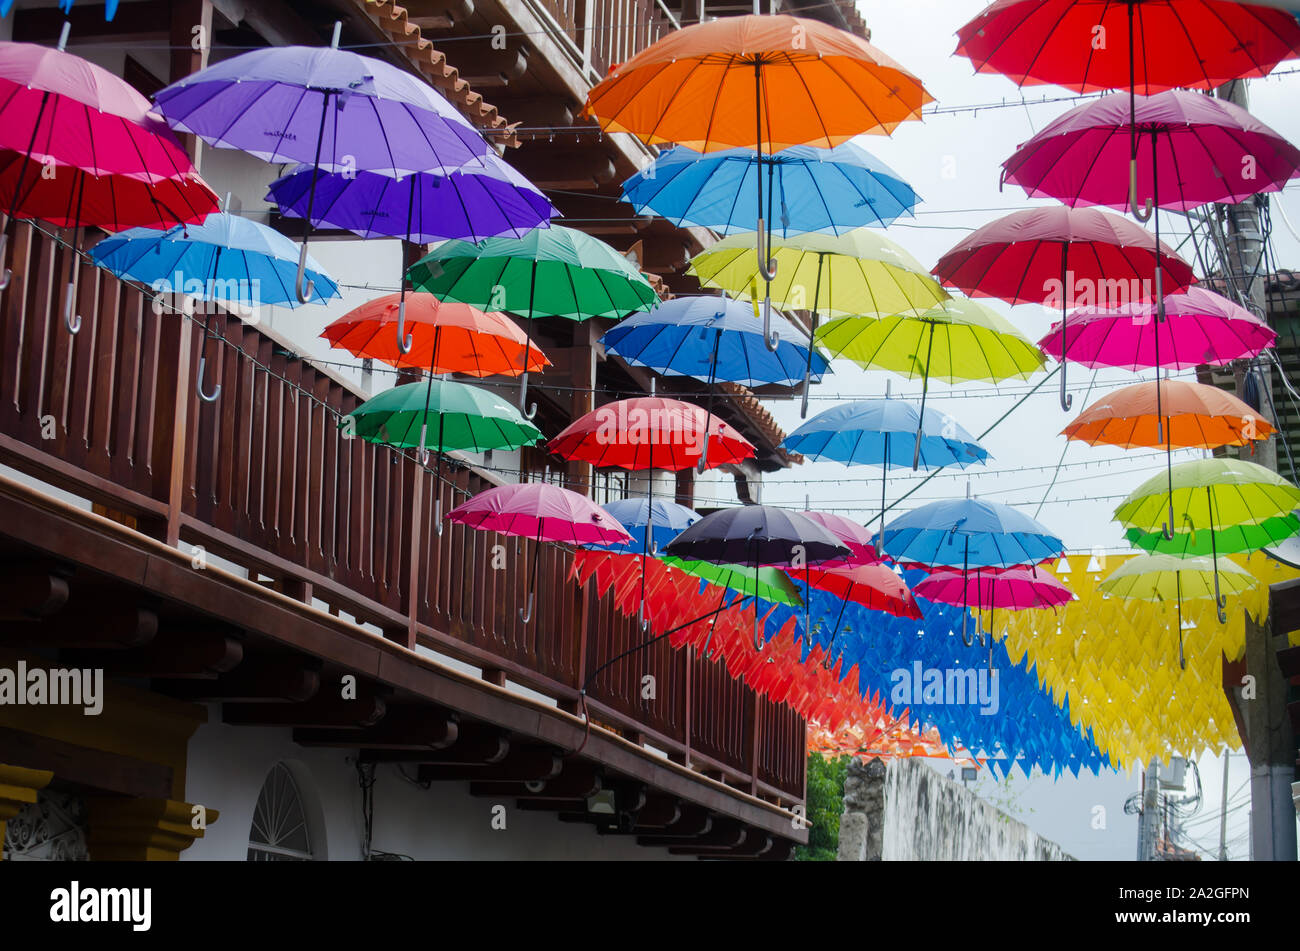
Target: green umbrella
{"type": "Point", "coordinates": [1208, 496]}
{"type": "Point", "coordinates": [960, 339]}
{"type": "Point", "coordinates": [770, 584]}
{"type": "Point", "coordinates": [464, 417]}
{"type": "Point", "coordinates": [551, 272]}
{"type": "Point", "coordinates": [1237, 538]}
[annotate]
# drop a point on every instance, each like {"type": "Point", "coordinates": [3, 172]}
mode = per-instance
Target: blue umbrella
{"type": "Point", "coordinates": [226, 258]}
{"type": "Point", "coordinates": [884, 432]}
{"type": "Point", "coordinates": [666, 520]}
{"type": "Point", "coordinates": [827, 190]}
{"type": "Point", "coordinates": [711, 339]}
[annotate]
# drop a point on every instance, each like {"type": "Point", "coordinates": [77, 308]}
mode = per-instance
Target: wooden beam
{"type": "Point", "coordinates": [322, 711]}
{"type": "Point", "coordinates": [519, 766]}
{"type": "Point", "coordinates": [722, 833]}
{"type": "Point", "coordinates": [112, 626]}
{"type": "Point", "coordinates": [475, 744]}
{"type": "Point", "coordinates": [276, 679]}
{"type": "Point", "coordinates": [171, 654]}
{"type": "Point", "coordinates": [404, 727]}
{"type": "Point", "coordinates": [86, 768]}
{"type": "Point", "coordinates": [29, 591]}
{"type": "Point", "coordinates": [578, 781]}
{"type": "Point", "coordinates": [753, 843]}
{"type": "Point", "coordinates": [145, 20]}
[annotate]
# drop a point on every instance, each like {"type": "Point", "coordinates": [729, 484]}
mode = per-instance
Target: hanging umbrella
{"type": "Point", "coordinates": [1144, 46]}
{"type": "Point", "coordinates": [1194, 415]}
{"type": "Point", "coordinates": [761, 82]}
{"type": "Point", "coordinates": [710, 339]}
{"type": "Point", "coordinates": [1200, 327]}
{"type": "Point", "coordinates": [333, 109]}
{"type": "Point", "coordinates": [884, 433]}
{"type": "Point", "coordinates": [226, 258]}
{"type": "Point", "coordinates": [767, 584]}
{"type": "Point", "coordinates": [470, 204]}
{"type": "Point", "coordinates": [1236, 538]}
{"type": "Point", "coordinates": [1208, 496]}
{"type": "Point", "coordinates": [60, 113]}
{"type": "Point", "coordinates": [853, 536]}
{"type": "Point", "coordinates": [554, 272]}
{"type": "Point", "coordinates": [1203, 150]}
{"type": "Point", "coordinates": [652, 523]}
{"type": "Point", "coordinates": [1165, 578]}
{"type": "Point", "coordinates": [649, 433]}
{"type": "Point", "coordinates": [544, 513]}
{"type": "Point", "coordinates": [1013, 589]}
{"type": "Point", "coordinates": [446, 337]}
{"type": "Point", "coordinates": [828, 190]}
{"type": "Point", "coordinates": [1041, 255]}
{"type": "Point", "coordinates": [975, 343]}
{"type": "Point", "coordinates": [874, 587]}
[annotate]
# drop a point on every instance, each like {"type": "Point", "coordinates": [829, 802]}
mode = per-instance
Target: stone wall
{"type": "Point", "coordinates": [901, 810]}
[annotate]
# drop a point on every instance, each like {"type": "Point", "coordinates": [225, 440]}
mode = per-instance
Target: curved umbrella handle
{"type": "Point", "coordinates": [526, 614]}
{"type": "Point", "coordinates": [702, 466]}
{"type": "Point", "coordinates": [1141, 214]}
{"type": "Point", "coordinates": [965, 618]}
{"type": "Point", "coordinates": [772, 338]}
{"type": "Point", "coordinates": [1067, 399]}
{"type": "Point", "coordinates": [405, 341]}
{"type": "Point", "coordinates": [198, 384]}
{"type": "Point", "coordinates": [437, 515]}
{"type": "Point", "coordinates": [1221, 603]}
{"type": "Point", "coordinates": [71, 319]}
{"type": "Point", "coordinates": [759, 643]}
{"type": "Point", "coordinates": [302, 281]}
{"type": "Point", "coordinates": [766, 266]}
{"type": "Point", "coordinates": [8, 274]}
{"type": "Point", "coordinates": [529, 412]}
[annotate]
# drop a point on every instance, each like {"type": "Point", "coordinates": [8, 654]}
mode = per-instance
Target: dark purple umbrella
{"type": "Point", "coordinates": [470, 204]}
{"type": "Point", "coordinates": [334, 109]}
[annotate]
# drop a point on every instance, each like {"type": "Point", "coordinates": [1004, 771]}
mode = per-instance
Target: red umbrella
{"type": "Point", "coordinates": [1077, 256]}
{"type": "Point", "coordinates": [875, 587]}
{"type": "Point", "coordinates": [854, 536]}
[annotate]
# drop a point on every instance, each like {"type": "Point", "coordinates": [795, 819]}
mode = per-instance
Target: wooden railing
{"type": "Point", "coordinates": [265, 478]}
{"type": "Point", "coordinates": [605, 33]}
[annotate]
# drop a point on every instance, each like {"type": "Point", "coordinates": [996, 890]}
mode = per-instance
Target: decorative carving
{"type": "Point", "coordinates": [52, 829]}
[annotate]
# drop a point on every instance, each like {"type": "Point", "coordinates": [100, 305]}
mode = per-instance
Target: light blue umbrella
{"type": "Point", "coordinates": [827, 190]}
{"type": "Point", "coordinates": [226, 258]}
{"type": "Point", "coordinates": [666, 520]}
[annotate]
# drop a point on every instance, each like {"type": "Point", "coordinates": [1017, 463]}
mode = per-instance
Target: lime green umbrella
{"type": "Point", "coordinates": [769, 584]}
{"type": "Point", "coordinates": [550, 272]}
{"type": "Point", "coordinates": [465, 417]}
{"type": "Point", "coordinates": [1237, 538]}
{"type": "Point", "coordinates": [960, 339]}
{"type": "Point", "coordinates": [1165, 578]}
{"type": "Point", "coordinates": [1208, 496]}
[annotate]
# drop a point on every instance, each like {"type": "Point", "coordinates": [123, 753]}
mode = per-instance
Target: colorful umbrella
{"type": "Point", "coordinates": [553, 272]}
{"type": "Point", "coordinates": [1200, 327]}
{"type": "Point", "coordinates": [333, 109]}
{"type": "Point", "coordinates": [468, 418]}
{"type": "Point", "coordinates": [1015, 589]}
{"type": "Point", "coordinates": [975, 343]}
{"type": "Point", "coordinates": [1203, 150]}
{"type": "Point", "coordinates": [544, 513]}
{"type": "Point", "coordinates": [470, 204]}
{"type": "Point", "coordinates": [652, 523]}
{"type": "Point", "coordinates": [1237, 538]}
{"type": "Point", "coordinates": [767, 584]}
{"type": "Point", "coordinates": [445, 337]}
{"type": "Point", "coordinates": [853, 536]}
{"type": "Point", "coordinates": [1192, 415]}
{"type": "Point", "coordinates": [828, 190]}
{"type": "Point", "coordinates": [1042, 255]}
{"type": "Point", "coordinates": [874, 587]}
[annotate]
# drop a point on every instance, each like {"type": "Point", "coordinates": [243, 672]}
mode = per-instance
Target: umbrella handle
{"type": "Point", "coordinates": [703, 465]}
{"type": "Point", "coordinates": [1167, 528]}
{"type": "Point", "coordinates": [526, 614]}
{"type": "Point", "coordinates": [302, 281]}
{"type": "Point", "coordinates": [1221, 603]}
{"type": "Point", "coordinates": [529, 412]}
{"type": "Point", "coordinates": [772, 338]}
{"type": "Point", "coordinates": [405, 341]}
{"type": "Point", "coordinates": [1067, 399]}
{"type": "Point", "coordinates": [8, 274]}
{"type": "Point", "coordinates": [759, 644]}
{"type": "Point", "coordinates": [198, 384]}
{"type": "Point", "coordinates": [965, 618]}
{"type": "Point", "coordinates": [437, 515]}
{"type": "Point", "coordinates": [1141, 214]}
{"type": "Point", "coordinates": [71, 319]}
{"type": "Point", "coordinates": [766, 266]}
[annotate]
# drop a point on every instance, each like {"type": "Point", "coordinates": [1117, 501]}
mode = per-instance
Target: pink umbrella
{"type": "Point", "coordinates": [1015, 589]}
{"type": "Point", "coordinates": [544, 513]}
{"type": "Point", "coordinates": [854, 536]}
{"type": "Point", "coordinates": [1202, 150]}
{"type": "Point", "coordinates": [1064, 256]}
{"type": "Point", "coordinates": [1200, 326]}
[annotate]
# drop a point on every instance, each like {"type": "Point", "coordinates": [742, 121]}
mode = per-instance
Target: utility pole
{"type": "Point", "coordinates": [1223, 811]}
{"type": "Point", "coordinates": [1149, 817]}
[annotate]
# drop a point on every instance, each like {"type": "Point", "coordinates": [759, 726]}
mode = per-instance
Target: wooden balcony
{"type": "Point", "coordinates": [263, 478]}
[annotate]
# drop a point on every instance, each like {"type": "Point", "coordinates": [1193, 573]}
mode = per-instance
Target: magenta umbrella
{"type": "Point", "coordinates": [1066, 257]}
{"type": "Point", "coordinates": [544, 513]}
{"type": "Point", "coordinates": [1015, 589]}
{"type": "Point", "coordinates": [1200, 326]}
{"type": "Point", "coordinates": [854, 536]}
{"type": "Point", "coordinates": [1202, 150]}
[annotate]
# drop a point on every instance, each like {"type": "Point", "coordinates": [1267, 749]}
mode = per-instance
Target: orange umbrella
{"type": "Point", "coordinates": [1188, 415]}
{"type": "Point", "coordinates": [444, 337]}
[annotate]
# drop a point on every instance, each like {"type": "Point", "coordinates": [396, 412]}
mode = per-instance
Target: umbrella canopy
{"type": "Point", "coordinates": [1150, 45]}
{"type": "Point", "coordinates": [765, 584]}
{"type": "Point", "coordinates": [854, 536]}
{"type": "Point", "coordinates": [225, 258]}
{"type": "Point", "coordinates": [650, 432]}
{"type": "Point", "coordinates": [706, 86]}
{"type": "Point", "coordinates": [540, 511]}
{"type": "Point", "coordinates": [663, 520]}
{"type": "Point", "coordinates": [471, 204]}
{"type": "Point", "coordinates": [1017, 589]}
{"type": "Point", "coordinates": [445, 337]}
{"type": "Point", "coordinates": [1202, 149]}
{"type": "Point", "coordinates": [455, 415]}
{"type": "Point", "coordinates": [1236, 538]}
{"type": "Point", "coordinates": [1200, 327]}
{"type": "Point", "coordinates": [878, 432]}
{"type": "Point", "coordinates": [553, 272]}
{"type": "Point", "coordinates": [1167, 578]}
{"type": "Point", "coordinates": [333, 109]}
{"type": "Point", "coordinates": [711, 339]}
{"type": "Point", "coordinates": [1185, 415]}
{"type": "Point", "coordinates": [828, 190]}
{"type": "Point", "coordinates": [1210, 494]}
{"type": "Point", "coordinates": [875, 587]}
{"type": "Point", "coordinates": [757, 535]}
{"type": "Point", "coordinates": [861, 272]}
{"type": "Point", "coordinates": [969, 533]}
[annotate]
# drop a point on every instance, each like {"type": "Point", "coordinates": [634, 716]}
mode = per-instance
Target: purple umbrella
{"type": "Point", "coordinates": [334, 109]}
